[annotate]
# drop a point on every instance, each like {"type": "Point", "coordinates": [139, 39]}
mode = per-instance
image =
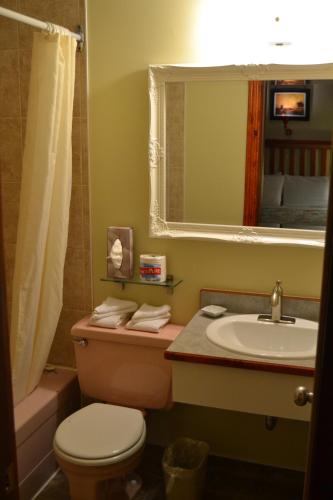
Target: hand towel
{"type": "Point", "coordinates": [109, 314]}
{"type": "Point", "coordinates": [113, 305]}
{"type": "Point", "coordinates": [152, 326]}
{"type": "Point", "coordinates": [147, 313]}
{"type": "Point", "coordinates": [110, 321]}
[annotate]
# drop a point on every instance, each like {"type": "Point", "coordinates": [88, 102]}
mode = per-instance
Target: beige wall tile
{"type": "Point", "coordinates": [74, 294]}
{"type": "Point", "coordinates": [76, 170]}
{"type": "Point", "coordinates": [175, 214]}
{"type": "Point", "coordinates": [76, 151]}
{"type": "Point", "coordinates": [86, 217]}
{"type": "Point", "coordinates": [84, 89]}
{"type": "Point", "coordinates": [62, 351]}
{"type": "Point", "coordinates": [175, 92]}
{"type": "Point", "coordinates": [25, 66]}
{"type": "Point", "coordinates": [8, 27]}
{"type": "Point", "coordinates": [75, 230]}
{"type": "Point", "coordinates": [80, 97]}
{"type": "Point", "coordinates": [10, 213]}
{"type": "Point", "coordinates": [87, 280]}
{"type": "Point", "coordinates": [62, 12]}
{"type": "Point", "coordinates": [77, 86]}
{"type": "Point", "coordinates": [76, 137]}
{"type": "Point", "coordinates": [9, 84]}
{"type": "Point", "coordinates": [10, 149]}
{"type": "Point", "coordinates": [25, 34]}
{"type": "Point", "coordinates": [9, 258]}
{"type": "Point", "coordinates": [10, 192]}
{"type": "Point", "coordinates": [23, 131]}
{"type": "Point", "coordinates": [14, 88]}
{"type": "Point", "coordinates": [176, 188]}
{"type": "Point", "coordinates": [84, 152]}
{"type": "Point", "coordinates": [82, 12]}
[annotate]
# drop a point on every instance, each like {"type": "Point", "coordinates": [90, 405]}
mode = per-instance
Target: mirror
{"type": "Point", "coordinates": [205, 125]}
{"type": "Point", "coordinates": [231, 149]}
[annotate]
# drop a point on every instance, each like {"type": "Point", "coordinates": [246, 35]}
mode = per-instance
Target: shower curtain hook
{"type": "Point", "coordinates": [50, 28]}
{"type": "Point", "coordinates": [53, 28]}
{"type": "Point", "coordinates": [80, 43]}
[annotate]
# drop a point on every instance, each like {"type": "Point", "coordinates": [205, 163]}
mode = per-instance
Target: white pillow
{"type": "Point", "coordinates": [272, 190]}
{"type": "Point", "coordinates": [305, 191]}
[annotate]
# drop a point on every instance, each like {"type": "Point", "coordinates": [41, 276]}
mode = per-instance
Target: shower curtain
{"type": "Point", "coordinates": [44, 209]}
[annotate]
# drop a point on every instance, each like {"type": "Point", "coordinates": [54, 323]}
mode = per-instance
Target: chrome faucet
{"type": "Point", "coordinates": [276, 302]}
{"type": "Point", "coordinates": [276, 305]}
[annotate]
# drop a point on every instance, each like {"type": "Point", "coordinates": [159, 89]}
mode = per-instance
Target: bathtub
{"type": "Point", "coordinates": [36, 419]}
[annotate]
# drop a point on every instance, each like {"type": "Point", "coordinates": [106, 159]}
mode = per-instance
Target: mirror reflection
{"type": "Point", "coordinates": [207, 131]}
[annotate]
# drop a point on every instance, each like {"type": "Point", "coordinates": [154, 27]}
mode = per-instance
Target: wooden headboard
{"type": "Point", "coordinates": [298, 157]}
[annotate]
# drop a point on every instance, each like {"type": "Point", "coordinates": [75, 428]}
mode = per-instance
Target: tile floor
{"type": "Point", "coordinates": [225, 480]}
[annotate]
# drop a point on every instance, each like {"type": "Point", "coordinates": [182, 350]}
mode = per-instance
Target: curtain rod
{"type": "Point", "coordinates": [49, 27]}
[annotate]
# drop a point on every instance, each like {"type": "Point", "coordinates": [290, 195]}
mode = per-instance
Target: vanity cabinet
{"type": "Point", "coordinates": [206, 374]}
{"type": "Point", "coordinates": [239, 389]}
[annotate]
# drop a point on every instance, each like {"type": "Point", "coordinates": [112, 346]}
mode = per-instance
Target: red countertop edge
{"type": "Point", "coordinates": [240, 363]}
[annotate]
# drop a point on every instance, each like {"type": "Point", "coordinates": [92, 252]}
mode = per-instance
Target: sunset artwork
{"type": "Point", "coordinates": [289, 104]}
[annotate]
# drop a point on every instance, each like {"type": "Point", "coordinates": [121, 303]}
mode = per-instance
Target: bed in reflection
{"type": "Point", "coordinates": [296, 183]}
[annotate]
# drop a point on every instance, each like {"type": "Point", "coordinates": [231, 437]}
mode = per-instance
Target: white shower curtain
{"type": "Point", "coordinates": [44, 209]}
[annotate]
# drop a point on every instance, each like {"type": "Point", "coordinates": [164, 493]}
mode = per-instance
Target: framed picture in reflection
{"type": "Point", "coordinates": [289, 103]}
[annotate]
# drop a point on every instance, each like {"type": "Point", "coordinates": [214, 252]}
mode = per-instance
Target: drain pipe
{"type": "Point", "coordinates": [270, 422]}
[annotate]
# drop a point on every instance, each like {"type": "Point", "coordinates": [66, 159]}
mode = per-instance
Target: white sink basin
{"type": "Point", "coordinates": [244, 334]}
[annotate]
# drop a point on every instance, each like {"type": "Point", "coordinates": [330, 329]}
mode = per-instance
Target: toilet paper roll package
{"type": "Point", "coordinates": [153, 268]}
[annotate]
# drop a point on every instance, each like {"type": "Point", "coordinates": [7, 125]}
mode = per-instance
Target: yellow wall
{"type": "Point", "coordinates": [125, 36]}
{"type": "Point", "coordinates": [215, 151]}
{"type": "Point", "coordinates": [123, 39]}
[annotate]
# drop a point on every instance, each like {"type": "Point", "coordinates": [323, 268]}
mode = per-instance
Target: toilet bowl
{"type": "Point", "coordinates": [125, 369]}
{"type": "Point", "coordinates": [98, 443]}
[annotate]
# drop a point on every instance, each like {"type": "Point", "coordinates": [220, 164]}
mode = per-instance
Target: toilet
{"type": "Point", "coordinates": [126, 372]}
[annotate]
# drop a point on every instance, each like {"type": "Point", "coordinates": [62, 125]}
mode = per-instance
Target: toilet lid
{"type": "Point", "coordinates": [100, 431]}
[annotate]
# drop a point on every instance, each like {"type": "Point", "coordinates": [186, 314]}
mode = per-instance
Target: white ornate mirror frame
{"type": "Point", "coordinates": [159, 75]}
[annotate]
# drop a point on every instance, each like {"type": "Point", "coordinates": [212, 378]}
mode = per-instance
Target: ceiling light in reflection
{"type": "Point", "coordinates": [257, 31]}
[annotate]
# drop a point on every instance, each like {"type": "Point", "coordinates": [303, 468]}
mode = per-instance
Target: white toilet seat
{"type": "Point", "coordinates": [100, 434]}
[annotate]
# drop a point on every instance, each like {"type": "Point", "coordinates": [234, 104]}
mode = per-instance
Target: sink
{"type": "Point", "coordinates": [244, 334]}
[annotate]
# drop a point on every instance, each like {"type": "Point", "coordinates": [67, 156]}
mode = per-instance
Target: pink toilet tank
{"type": "Point", "coordinates": [124, 367]}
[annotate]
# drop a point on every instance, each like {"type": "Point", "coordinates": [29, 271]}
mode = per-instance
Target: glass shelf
{"type": "Point", "coordinates": [169, 284]}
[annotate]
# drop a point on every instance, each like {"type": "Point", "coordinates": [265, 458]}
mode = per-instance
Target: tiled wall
{"type": "Point", "coordinates": [15, 56]}
{"type": "Point", "coordinates": [175, 163]}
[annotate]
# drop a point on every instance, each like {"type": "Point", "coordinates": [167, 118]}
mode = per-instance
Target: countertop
{"type": "Point", "coordinates": [192, 345]}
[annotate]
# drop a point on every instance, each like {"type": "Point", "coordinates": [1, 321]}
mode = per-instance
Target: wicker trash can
{"type": "Point", "coordinates": [184, 465]}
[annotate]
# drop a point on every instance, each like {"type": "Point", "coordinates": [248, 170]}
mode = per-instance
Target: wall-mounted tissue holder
{"type": "Point", "coordinates": [119, 252]}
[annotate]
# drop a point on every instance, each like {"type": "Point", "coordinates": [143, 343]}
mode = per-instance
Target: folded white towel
{"type": "Point", "coordinates": [110, 314]}
{"type": "Point", "coordinates": [152, 326]}
{"type": "Point", "coordinates": [113, 305]}
{"type": "Point", "coordinates": [147, 313]}
{"type": "Point", "coordinates": [110, 321]}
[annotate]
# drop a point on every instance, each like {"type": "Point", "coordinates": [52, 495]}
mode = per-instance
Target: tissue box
{"type": "Point", "coordinates": [119, 252]}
